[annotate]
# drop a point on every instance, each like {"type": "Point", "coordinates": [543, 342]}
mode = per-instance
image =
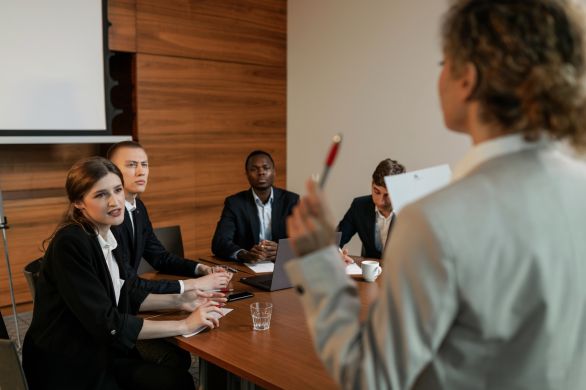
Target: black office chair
{"type": "Point", "coordinates": [31, 274]}
{"type": "Point", "coordinates": [3, 330]}
{"type": "Point", "coordinates": [170, 237]}
{"type": "Point", "coordinates": [11, 373]}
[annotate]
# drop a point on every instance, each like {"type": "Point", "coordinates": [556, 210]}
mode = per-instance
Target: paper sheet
{"type": "Point", "coordinates": [203, 327]}
{"type": "Point", "coordinates": [411, 186]}
{"type": "Point", "coordinates": [263, 266]}
{"type": "Point", "coordinates": [353, 269]}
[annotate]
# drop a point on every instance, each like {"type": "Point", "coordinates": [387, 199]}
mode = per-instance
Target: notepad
{"type": "Point", "coordinates": [353, 269]}
{"type": "Point", "coordinates": [215, 315]}
{"type": "Point", "coordinates": [261, 266]}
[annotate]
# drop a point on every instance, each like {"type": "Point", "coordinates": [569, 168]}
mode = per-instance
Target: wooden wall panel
{"type": "Point", "coordinates": [210, 87]}
{"type": "Point", "coordinates": [122, 16]}
{"type": "Point", "coordinates": [240, 108]}
{"type": "Point", "coordinates": [198, 120]}
{"type": "Point", "coordinates": [31, 221]}
{"type": "Point", "coordinates": [32, 179]}
{"type": "Point", "coordinates": [250, 31]}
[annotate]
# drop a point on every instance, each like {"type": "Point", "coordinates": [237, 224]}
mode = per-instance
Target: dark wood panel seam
{"type": "Point", "coordinates": [34, 194]}
{"type": "Point", "coordinates": [210, 60]}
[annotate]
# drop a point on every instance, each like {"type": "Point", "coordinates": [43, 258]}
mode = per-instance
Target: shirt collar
{"type": "Point", "coordinates": [494, 148]}
{"type": "Point", "coordinates": [109, 243]}
{"type": "Point", "coordinates": [130, 206]}
{"type": "Point", "coordinates": [258, 201]}
{"type": "Point", "coordinates": [380, 215]}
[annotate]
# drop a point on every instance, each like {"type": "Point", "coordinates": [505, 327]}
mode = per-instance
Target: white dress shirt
{"type": "Point", "coordinates": [381, 229]}
{"type": "Point", "coordinates": [108, 245]}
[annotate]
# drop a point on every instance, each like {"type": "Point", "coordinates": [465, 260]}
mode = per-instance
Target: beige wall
{"type": "Point", "coordinates": [367, 69]}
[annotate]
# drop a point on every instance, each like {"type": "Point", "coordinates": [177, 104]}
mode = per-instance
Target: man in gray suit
{"type": "Point", "coordinates": [484, 284]}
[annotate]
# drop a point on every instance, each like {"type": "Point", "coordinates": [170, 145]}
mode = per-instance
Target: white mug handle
{"type": "Point", "coordinates": [378, 271]}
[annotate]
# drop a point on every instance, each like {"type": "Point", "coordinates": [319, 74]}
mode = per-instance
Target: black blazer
{"type": "Point", "coordinates": [361, 218]}
{"type": "Point", "coordinates": [239, 225]}
{"type": "Point", "coordinates": [77, 328]}
{"type": "Point", "coordinates": [147, 246]}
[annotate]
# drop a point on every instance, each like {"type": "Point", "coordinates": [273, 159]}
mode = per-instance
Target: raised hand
{"type": "Point", "coordinates": [310, 226]}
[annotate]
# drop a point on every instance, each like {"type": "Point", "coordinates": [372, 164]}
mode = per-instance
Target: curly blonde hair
{"type": "Point", "coordinates": [529, 57]}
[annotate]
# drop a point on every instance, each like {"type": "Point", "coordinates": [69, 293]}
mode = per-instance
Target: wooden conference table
{"type": "Point", "coordinates": [282, 357]}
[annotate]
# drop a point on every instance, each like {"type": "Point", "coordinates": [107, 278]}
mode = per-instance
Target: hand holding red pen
{"type": "Point", "coordinates": [311, 225]}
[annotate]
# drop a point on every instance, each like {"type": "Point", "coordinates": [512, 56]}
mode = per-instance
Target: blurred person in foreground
{"type": "Point", "coordinates": [484, 281]}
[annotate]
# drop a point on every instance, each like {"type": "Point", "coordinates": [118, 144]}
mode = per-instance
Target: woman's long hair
{"type": "Point", "coordinates": [82, 176]}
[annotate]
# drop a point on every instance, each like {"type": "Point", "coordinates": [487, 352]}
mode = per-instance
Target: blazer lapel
{"type": "Point", "coordinates": [105, 271]}
{"type": "Point", "coordinates": [139, 227]}
{"type": "Point", "coordinates": [276, 215]}
{"type": "Point", "coordinates": [393, 219]}
{"type": "Point", "coordinates": [127, 225]}
{"type": "Point", "coordinates": [370, 222]}
{"type": "Point", "coordinates": [253, 217]}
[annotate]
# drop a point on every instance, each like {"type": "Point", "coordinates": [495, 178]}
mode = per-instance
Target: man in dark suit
{"type": "Point", "coordinates": [137, 240]}
{"type": "Point", "coordinates": [253, 221]}
{"type": "Point", "coordinates": [371, 216]}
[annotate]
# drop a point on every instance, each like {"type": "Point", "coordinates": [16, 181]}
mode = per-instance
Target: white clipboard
{"type": "Point", "coordinates": [411, 186]}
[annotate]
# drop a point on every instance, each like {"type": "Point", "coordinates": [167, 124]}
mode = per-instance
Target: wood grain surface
{"type": "Point", "coordinates": [210, 86]}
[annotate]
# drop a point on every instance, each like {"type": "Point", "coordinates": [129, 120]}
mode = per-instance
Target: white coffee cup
{"type": "Point", "coordinates": [370, 270]}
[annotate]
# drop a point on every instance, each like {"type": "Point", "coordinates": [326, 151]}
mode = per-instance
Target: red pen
{"type": "Point", "coordinates": [336, 141]}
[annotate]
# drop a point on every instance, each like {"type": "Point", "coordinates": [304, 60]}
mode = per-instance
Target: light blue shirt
{"type": "Point", "coordinates": [264, 215]}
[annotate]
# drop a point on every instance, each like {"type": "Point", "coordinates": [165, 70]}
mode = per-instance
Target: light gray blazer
{"type": "Point", "coordinates": [484, 286]}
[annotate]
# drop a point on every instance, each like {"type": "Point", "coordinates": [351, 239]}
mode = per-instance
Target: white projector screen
{"type": "Point", "coordinates": [52, 73]}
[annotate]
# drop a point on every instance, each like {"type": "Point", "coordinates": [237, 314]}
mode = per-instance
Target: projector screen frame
{"type": "Point", "coordinates": [7, 135]}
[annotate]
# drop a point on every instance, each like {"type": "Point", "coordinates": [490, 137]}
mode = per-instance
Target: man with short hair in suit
{"type": "Point", "coordinates": [136, 237]}
{"type": "Point", "coordinates": [253, 221]}
{"type": "Point", "coordinates": [136, 240]}
{"type": "Point", "coordinates": [371, 216]}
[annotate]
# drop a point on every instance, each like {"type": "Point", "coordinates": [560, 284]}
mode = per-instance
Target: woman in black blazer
{"type": "Point", "coordinates": [83, 330]}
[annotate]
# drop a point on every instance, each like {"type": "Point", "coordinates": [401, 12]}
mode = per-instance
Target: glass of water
{"type": "Point", "coordinates": [261, 315]}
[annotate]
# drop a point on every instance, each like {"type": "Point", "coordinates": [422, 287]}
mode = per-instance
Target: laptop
{"type": "Point", "coordinates": [278, 280]}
